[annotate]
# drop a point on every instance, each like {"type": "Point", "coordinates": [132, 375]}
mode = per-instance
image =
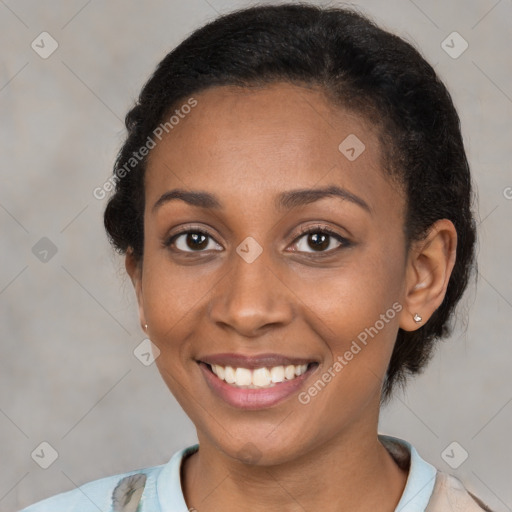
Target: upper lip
{"type": "Point", "coordinates": [253, 362]}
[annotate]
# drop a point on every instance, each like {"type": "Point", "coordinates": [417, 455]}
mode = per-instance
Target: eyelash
{"type": "Point", "coordinates": [319, 229]}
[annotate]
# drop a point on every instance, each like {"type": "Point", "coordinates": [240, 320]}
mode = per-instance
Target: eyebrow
{"type": "Point", "coordinates": [286, 200]}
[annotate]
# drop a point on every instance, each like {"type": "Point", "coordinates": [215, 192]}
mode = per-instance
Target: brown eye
{"type": "Point", "coordinates": [320, 240]}
{"type": "Point", "coordinates": [196, 241]}
{"type": "Point", "coordinates": [192, 241]}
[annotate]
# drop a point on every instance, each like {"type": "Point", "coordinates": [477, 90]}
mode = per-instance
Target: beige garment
{"type": "Point", "coordinates": [449, 495]}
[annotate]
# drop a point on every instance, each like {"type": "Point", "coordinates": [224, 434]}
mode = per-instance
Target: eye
{"type": "Point", "coordinates": [192, 240]}
{"type": "Point", "coordinates": [319, 239]}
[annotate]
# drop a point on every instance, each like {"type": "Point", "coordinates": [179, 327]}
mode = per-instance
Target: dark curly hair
{"type": "Point", "coordinates": [359, 66]}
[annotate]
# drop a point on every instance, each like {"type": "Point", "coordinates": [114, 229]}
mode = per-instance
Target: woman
{"type": "Point", "coordinates": [293, 201]}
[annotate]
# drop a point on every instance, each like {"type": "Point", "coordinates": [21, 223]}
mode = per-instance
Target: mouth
{"type": "Point", "coordinates": [255, 382]}
{"type": "Point", "coordinates": [259, 378]}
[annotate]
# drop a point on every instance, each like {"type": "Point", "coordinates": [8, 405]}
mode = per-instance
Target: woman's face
{"type": "Point", "coordinates": [255, 292]}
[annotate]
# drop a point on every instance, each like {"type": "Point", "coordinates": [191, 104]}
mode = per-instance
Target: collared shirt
{"type": "Point", "coordinates": [163, 493]}
{"type": "Point", "coordinates": [421, 478]}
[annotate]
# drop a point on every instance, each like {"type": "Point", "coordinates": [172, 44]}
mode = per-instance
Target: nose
{"type": "Point", "coordinates": [251, 298]}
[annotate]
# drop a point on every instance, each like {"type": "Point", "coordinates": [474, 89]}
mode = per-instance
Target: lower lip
{"type": "Point", "coordinates": [245, 398]}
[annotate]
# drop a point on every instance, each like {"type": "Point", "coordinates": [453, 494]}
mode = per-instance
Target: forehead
{"type": "Point", "coordinates": [262, 141]}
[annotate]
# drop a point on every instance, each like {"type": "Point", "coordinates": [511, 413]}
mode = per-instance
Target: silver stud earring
{"type": "Point", "coordinates": [417, 318]}
{"type": "Point", "coordinates": [146, 327]}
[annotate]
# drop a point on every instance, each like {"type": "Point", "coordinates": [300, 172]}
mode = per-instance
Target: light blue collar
{"type": "Point", "coordinates": [168, 485]}
{"type": "Point", "coordinates": [416, 495]}
{"type": "Point", "coordinates": [421, 478]}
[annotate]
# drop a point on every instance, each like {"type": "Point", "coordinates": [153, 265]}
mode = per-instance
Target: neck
{"type": "Point", "coordinates": [352, 472]}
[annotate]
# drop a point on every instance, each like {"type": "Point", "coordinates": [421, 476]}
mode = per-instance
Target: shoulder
{"type": "Point", "coordinates": [93, 496]}
{"type": "Point", "coordinates": [428, 488]}
{"type": "Point", "coordinates": [449, 494]}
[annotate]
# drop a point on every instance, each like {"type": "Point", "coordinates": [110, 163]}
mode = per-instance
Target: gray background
{"type": "Point", "coordinates": [68, 375]}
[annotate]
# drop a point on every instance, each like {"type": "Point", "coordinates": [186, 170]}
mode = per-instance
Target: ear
{"type": "Point", "coordinates": [134, 270]}
{"type": "Point", "coordinates": [429, 266]}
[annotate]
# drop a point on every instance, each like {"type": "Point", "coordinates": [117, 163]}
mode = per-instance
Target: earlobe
{"type": "Point", "coordinates": [134, 270]}
{"type": "Point", "coordinates": [429, 267]}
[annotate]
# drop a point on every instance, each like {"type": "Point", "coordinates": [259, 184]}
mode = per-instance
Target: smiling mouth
{"type": "Point", "coordinates": [259, 378]}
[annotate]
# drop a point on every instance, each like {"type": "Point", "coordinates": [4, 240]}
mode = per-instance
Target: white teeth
{"type": "Point", "coordinates": [220, 372]}
{"type": "Point", "coordinates": [229, 375]}
{"type": "Point", "coordinates": [300, 369]}
{"type": "Point", "coordinates": [277, 374]}
{"type": "Point", "coordinates": [289, 372]}
{"type": "Point", "coordinates": [243, 377]}
{"type": "Point", "coordinates": [260, 377]}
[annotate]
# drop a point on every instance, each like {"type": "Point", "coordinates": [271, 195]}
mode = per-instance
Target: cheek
{"type": "Point", "coordinates": [343, 301]}
{"type": "Point", "coordinates": [173, 293]}
{"type": "Point", "coordinates": [355, 310]}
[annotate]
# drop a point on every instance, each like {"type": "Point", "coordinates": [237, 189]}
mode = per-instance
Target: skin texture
{"type": "Point", "coordinates": [247, 146]}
